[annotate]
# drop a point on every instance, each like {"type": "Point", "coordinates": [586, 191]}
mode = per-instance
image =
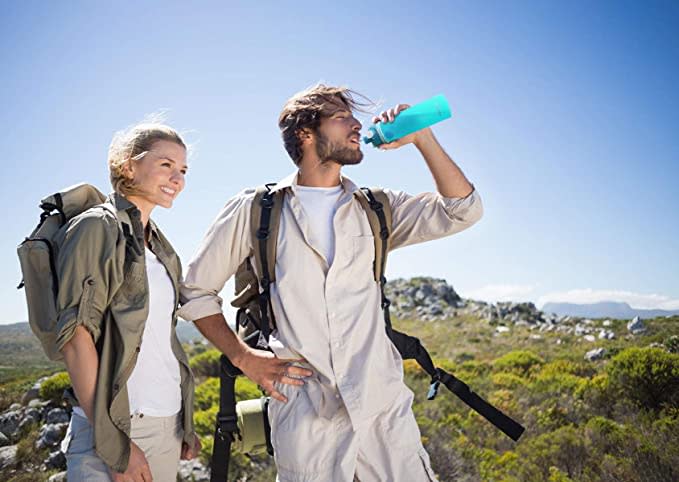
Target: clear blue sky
{"type": "Point", "coordinates": [565, 116]}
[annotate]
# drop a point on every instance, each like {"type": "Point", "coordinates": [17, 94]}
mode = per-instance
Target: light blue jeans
{"type": "Point", "coordinates": [159, 437]}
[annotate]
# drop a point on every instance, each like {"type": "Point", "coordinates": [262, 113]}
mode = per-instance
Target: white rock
{"type": "Point", "coordinates": [8, 456]}
{"type": "Point", "coordinates": [595, 354]}
{"type": "Point", "coordinates": [636, 326]}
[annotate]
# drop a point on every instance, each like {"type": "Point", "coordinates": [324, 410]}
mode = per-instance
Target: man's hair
{"type": "Point", "coordinates": [305, 109]}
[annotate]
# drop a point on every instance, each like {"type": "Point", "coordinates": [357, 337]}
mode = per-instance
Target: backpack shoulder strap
{"type": "Point", "coordinates": [376, 205]}
{"type": "Point", "coordinates": [265, 220]}
{"type": "Point", "coordinates": [122, 218]}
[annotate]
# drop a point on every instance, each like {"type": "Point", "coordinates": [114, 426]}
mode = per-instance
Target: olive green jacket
{"type": "Point", "coordinates": [103, 286]}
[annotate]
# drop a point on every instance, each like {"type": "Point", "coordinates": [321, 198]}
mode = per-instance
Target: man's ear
{"type": "Point", "coordinates": [305, 135]}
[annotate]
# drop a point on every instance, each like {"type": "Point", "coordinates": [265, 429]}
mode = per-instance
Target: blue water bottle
{"type": "Point", "coordinates": [411, 120]}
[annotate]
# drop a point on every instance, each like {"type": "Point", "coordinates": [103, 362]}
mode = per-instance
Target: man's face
{"type": "Point", "coordinates": [338, 138]}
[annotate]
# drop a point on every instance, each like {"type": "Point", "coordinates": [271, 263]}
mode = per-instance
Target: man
{"type": "Point", "coordinates": [340, 410]}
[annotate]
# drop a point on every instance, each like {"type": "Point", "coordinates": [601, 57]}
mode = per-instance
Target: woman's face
{"type": "Point", "coordinates": [159, 175]}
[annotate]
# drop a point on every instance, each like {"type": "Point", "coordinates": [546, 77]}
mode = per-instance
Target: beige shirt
{"type": "Point", "coordinates": [330, 316]}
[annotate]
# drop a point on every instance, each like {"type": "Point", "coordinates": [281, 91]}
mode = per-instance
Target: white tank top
{"type": "Point", "coordinates": [154, 386]}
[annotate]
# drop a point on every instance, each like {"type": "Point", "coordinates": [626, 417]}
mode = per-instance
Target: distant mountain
{"type": "Point", "coordinates": [604, 309]}
{"type": "Point", "coordinates": [21, 334]}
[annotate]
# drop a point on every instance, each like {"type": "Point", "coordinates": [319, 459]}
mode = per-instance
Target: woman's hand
{"type": "Point", "coordinates": [191, 451]}
{"type": "Point", "coordinates": [138, 469]}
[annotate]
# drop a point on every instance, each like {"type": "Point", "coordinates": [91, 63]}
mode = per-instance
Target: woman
{"type": "Point", "coordinates": [117, 302]}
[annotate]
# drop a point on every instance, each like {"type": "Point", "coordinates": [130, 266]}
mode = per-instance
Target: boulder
{"type": "Point", "coordinates": [636, 326]}
{"type": "Point", "coordinates": [32, 393]}
{"type": "Point", "coordinates": [60, 477]}
{"type": "Point", "coordinates": [8, 456]}
{"type": "Point", "coordinates": [57, 415]}
{"type": "Point", "coordinates": [31, 416]}
{"type": "Point", "coordinates": [4, 441]}
{"type": "Point", "coordinates": [9, 422]}
{"type": "Point", "coordinates": [56, 460]}
{"type": "Point", "coordinates": [50, 435]}
{"type": "Point", "coordinates": [193, 471]}
{"type": "Point", "coordinates": [596, 354]}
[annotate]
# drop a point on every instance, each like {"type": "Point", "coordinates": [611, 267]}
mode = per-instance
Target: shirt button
{"type": "Point", "coordinates": [138, 349]}
{"type": "Point", "coordinates": [116, 386]}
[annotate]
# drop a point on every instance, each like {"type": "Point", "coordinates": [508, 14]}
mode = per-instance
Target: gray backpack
{"type": "Point", "coordinates": [38, 254]}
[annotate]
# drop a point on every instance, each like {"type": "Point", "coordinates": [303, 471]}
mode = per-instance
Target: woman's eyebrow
{"type": "Point", "coordinates": [167, 158]}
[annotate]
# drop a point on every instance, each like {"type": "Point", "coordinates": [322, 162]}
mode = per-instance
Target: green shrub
{"type": "Point", "coordinates": [246, 389]}
{"type": "Point", "coordinates": [206, 364]}
{"type": "Point", "coordinates": [518, 361]}
{"type": "Point", "coordinates": [53, 388]}
{"type": "Point", "coordinates": [207, 394]}
{"type": "Point", "coordinates": [558, 382]}
{"type": "Point", "coordinates": [508, 380]}
{"type": "Point", "coordinates": [647, 376]}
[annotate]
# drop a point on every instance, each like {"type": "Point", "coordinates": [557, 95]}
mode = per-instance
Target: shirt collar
{"type": "Point", "coordinates": [290, 181]}
{"type": "Point", "coordinates": [121, 203]}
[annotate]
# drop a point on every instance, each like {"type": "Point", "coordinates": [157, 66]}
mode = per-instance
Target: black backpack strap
{"type": "Point", "coordinates": [409, 347]}
{"type": "Point", "coordinates": [376, 206]}
{"type": "Point", "coordinates": [506, 424]}
{"type": "Point", "coordinates": [266, 214]}
{"type": "Point", "coordinates": [226, 428]}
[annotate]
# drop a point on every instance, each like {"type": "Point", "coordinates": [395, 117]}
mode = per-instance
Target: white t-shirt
{"type": "Point", "coordinates": [154, 386]}
{"type": "Point", "coordinates": [320, 204]}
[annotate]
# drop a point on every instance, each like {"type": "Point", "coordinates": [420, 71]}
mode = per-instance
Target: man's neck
{"type": "Point", "coordinates": [319, 174]}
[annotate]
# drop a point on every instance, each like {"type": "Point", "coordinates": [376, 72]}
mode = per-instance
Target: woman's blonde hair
{"type": "Point", "coordinates": [131, 144]}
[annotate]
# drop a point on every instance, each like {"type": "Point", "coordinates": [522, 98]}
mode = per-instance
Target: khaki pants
{"type": "Point", "coordinates": [308, 448]}
{"type": "Point", "coordinates": [159, 437]}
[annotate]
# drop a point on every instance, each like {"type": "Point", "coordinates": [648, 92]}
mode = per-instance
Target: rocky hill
{"type": "Point", "coordinates": [599, 397]}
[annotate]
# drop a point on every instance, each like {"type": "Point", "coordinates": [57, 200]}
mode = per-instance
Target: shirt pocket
{"type": "Point", "coordinates": [363, 258]}
{"type": "Point", "coordinates": [134, 281]}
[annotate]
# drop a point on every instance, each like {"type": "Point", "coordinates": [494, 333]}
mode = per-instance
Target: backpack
{"type": "Point", "coordinates": [38, 254]}
{"type": "Point", "coordinates": [249, 429]}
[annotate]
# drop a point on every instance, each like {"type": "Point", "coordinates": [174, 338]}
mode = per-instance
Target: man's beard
{"type": "Point", "coordinates": [329, 151]}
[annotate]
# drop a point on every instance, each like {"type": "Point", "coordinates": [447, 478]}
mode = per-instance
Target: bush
{"type": "Point", "coordinates": [53, 388]}
{"type": "Point", "coordinates": [518, 361]}
{"type": "Point", "coordinates": [206, 364]}
{"type": "Point", "coordinates": [207, 394]}
{"type": "Point", "coordinates": [647, 376]}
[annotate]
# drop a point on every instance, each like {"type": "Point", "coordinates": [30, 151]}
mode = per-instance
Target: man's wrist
{"type": "Point", "coordinates": [424, 138]}
{"type": "Point", "coordinates": [239, 358]}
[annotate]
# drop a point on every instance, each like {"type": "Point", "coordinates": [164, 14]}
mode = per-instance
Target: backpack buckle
{"type": "Point", "coordinates": [226, 425]}
{"type": "Point", "coordinates": [433, 389]}
{"type": "Point", "coordinates": [267, 201]}
{"type": "Point", "coordinates": [262, 233]}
